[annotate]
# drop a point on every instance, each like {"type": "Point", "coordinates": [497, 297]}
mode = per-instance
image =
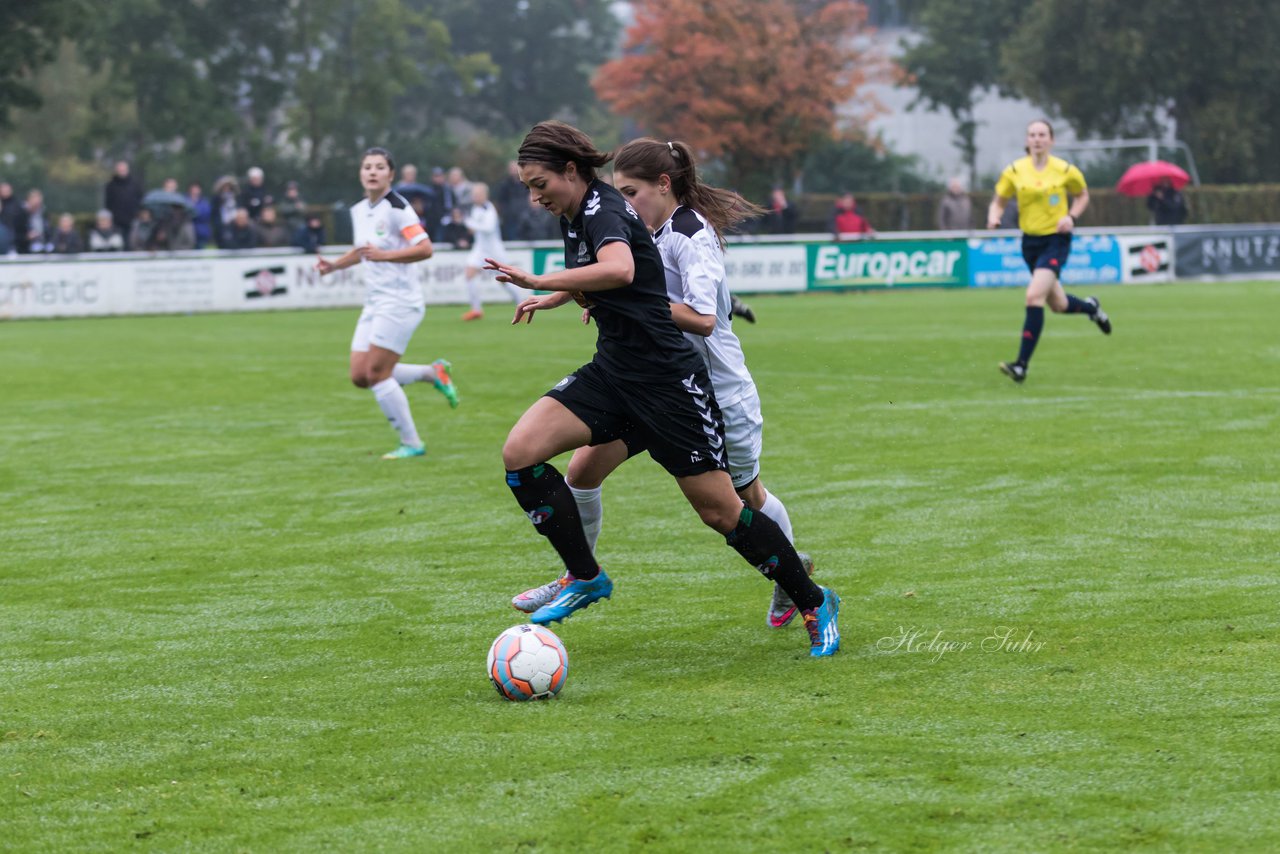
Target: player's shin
{"type": "Point", "coordinates": [762, 543]}
{"type": "Point", "coordinates": [544, 496]}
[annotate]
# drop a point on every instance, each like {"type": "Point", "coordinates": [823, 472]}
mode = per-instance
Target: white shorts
{"type": "Point", "coordinates": [388, 326]}
{"type": "Point", "coordinates": [744, 438]}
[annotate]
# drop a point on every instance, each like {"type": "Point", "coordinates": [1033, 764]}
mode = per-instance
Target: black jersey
{"type": "Point", "coordinates": [638, 339]}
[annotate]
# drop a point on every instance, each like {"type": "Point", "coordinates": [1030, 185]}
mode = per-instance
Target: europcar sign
{"type": "Point", "coordinates": [888, 264]}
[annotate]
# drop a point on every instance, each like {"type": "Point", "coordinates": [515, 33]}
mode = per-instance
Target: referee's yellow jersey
{"type": "Point", "coordinates": [1042, 195]}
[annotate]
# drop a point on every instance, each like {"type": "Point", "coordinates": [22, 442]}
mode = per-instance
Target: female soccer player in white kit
{"type": "Point", "coordinates": [486, 242]}
{"type": "Point", "coordinates": [687, 217]}
{"type": "Point", "coordinates": [387, 239]}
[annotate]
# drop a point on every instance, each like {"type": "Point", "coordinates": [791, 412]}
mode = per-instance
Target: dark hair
{"type": "Point", "coordinates": [381, 152]}
{"type": "Point", "coordinates": [648, 159]}
{"type": "Point", "coordinates": [556, 144]}
{"type": "Point", "coordinates": [1044, 122]}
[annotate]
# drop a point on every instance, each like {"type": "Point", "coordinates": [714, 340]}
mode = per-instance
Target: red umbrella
{"type": "Point", "coordinates": [1141, 178]}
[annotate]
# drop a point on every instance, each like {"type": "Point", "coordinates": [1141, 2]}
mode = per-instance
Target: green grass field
{"type": "Point", "coordinates": [225, 624]}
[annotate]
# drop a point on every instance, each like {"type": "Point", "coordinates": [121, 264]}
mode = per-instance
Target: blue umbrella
{"type": "Point", "coordinates": [165, 198]}
{"type": "Point", "coordinates": [410, 188]}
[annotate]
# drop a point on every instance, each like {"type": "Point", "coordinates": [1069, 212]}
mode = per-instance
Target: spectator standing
{"type": "Point", "coordinates": [408, 175]}
{"type": "Point", "coordinates": [140, 232]}
{"type": "Point", "coordinates": [461, 188]}
{"type": "Point", "coordinates": [437, 207]}
{"type": "Point", "coordinates": [104, 236]}
{"type": "Point", "coordinates": [511, 198]}
{"type": "Point", "coordinates": [536, 224]}
{"type": "Point", "coordinates": [240, 233]}
{"type": "Point", "coordinates": [781, 214]}
{"type": "Point", "coordinates": [955, 208]}
{"type": "Point", "coordinates": [122, 195]}
{"type": "Point", "coordinates": [6, 241]}
{"type": "Point", "coordinates": [271, 232]}
{"type": "Point", "coordinates": [310, 237]}
{"type": "Point", "coordinates": [13, 216]}
{"type": "Point", "coordinates": [225, 202]}
{"type": "Point", "coordinates": [291, 209]}
{"type": "Point", "coordinates": [845, 218]}
{"type": "Point", "coordinates": [201, 215]}
{"type": "Point", "coordinates": [65, 239]}
{"type": "Point", "coordinates": [255, 197]}
{"type": "Point", "coordinates": [1167, 204]}
{"type": "Point", "coordinates": [39, 229]}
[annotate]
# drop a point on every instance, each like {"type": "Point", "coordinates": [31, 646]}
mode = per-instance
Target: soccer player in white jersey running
{"type": "Point", "coordinates": [486, 242]}
{"type": "Point", "coordinates": [387, 239]}
{"type": "Point", "coordinates": [687, 218]}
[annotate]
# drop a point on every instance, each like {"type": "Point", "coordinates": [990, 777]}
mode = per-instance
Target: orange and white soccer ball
{"type": "Point", "coordinates": [528, 662]}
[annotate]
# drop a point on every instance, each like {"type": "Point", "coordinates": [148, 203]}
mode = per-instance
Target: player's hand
{"type": "Point", "coordinates": [586, 317]}
{"type": "Point", "coordinates": [1067, 224]}
{"type": "Point", "coordinates": [324, 267]}
{"type": "Point", "coordinates": [512, 275]}
{"type": "Point", "coordinates": [526, 308]}
{"type": "Point", "coordinates": [993, 223]}
{"type": "Point", "coordinates": [369, 252]}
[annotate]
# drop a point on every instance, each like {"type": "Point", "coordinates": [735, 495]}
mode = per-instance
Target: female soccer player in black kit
{"type": "Point", "coordinates": [646, 384]}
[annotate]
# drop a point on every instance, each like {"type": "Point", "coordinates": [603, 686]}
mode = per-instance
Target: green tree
{"type": "Point", "coordinates": [544, 53]}
{"type": "Point", "coordinates": [33, 30]}
{"type": "Point", "coordinates": [958, 59]}
{"type": "Point", "coordinates": [1149, 66]}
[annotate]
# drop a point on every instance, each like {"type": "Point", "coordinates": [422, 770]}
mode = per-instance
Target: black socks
{"type": "Point", "coordinates": [546, 500]}
{"type": "Point", "coordinates": [1031, 329]}
{"type": "Point", "coordinates": [759, 539]}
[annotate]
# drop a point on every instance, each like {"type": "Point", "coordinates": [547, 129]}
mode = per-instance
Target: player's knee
{"type": "Point", "coordinates": [360, 379]}
{"type": "Point", "coordinates": [721, 519]}
{"type": "Point", "coordinates": [516, 454]}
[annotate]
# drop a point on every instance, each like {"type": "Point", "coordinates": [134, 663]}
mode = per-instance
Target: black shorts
{"type": "Point", "coordinates": [677, 421]}
{"type": "Point", "coordinates": [1046, 251]}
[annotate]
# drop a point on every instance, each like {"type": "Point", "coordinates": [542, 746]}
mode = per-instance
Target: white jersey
{"type": "Point", "coordinates": [486, 241]}
{"type": "Point", "coordinates": [389, 224]}
{"type": "Point", "coordinates": [694, 266]}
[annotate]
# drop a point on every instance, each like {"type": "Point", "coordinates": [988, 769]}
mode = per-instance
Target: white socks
{"type": "Point", "coordinates": [774, 509]}
{"type": "Point", "coordinates": [473, 293]}
{"type": "Point", "coordinates": [394, 404]}
{"type": "Point", "coordinates": [590, 511]}
{"type": "Point", "coordinates": [409, 374]}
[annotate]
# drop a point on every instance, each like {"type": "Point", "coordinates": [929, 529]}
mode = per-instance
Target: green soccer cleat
{"type": "Point", "coordinates": [406, 452]}
{"type": "Point", "coordinates": [444, 382]}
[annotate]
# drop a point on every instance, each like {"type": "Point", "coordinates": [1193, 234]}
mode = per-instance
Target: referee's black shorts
{"type": "Point", "coordinates": [1046, 251]}
{"type": "Point", "coordinates": [676, 420]}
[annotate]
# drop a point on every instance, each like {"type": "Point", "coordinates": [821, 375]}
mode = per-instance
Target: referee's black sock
{"type": "Point", "coordinates": [1031, 328]}
{"type": "Point", "coordinates": [1075, 305]}
{"type": "Point", "coordinates": [547, 501]}
{"type": "Point", "coordinates": [759, 539]}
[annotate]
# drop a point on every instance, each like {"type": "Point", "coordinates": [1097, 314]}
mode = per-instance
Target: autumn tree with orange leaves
{"type": "Point", "coordinates": [752, 83]}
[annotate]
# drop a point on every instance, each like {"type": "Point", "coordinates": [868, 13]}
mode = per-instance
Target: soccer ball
{"type": "Point", "coordinates": [528, 662]}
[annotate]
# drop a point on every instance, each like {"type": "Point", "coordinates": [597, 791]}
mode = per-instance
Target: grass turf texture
{"type": "Point", "coordinates": [227, 625]}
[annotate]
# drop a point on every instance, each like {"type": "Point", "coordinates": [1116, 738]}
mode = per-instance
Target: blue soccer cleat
{"type": "Point", "coordinates": [405, 452]}
{"type": "Point", "coordinates": [824, 634]}
{"type": "Point", "coordinates": [575, 596]}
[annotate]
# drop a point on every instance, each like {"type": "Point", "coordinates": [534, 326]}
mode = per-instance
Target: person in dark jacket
{"type": "Point", "coordinates": [1167, 204]}
{"type": "Point", "coordinates": [122, 195]}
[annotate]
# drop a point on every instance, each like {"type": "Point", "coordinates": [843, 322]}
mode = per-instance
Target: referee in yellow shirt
{"type": "Point", "coordinates": [1051, 195]}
